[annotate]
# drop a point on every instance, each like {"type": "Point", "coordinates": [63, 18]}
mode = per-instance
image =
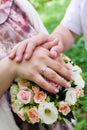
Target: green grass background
{"type": "Point", "coordinates": [51, 13]}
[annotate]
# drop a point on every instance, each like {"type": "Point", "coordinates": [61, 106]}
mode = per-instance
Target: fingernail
{"type": "Point", "coordinates": [56, 90]}
{"type": "Point", "coordinates": [55, 54]}
{"type": "Point", "coordinates": [17, 58]}
{"type": "Point", "coordinates": [68, 85]}
{"type": "Point", "coordinates": [26, 55]}
{"type": "Point", "coordinates": [70, 70]}
{"type": "Point", "coordinates": [72, 78]}
{"type": "Point", "coordinates": [10, 54]}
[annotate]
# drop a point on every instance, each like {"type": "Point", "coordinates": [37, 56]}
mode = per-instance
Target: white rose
{"type": "Point", "coordinates": [16, 106]}
{"type": "Point", "coordinates": [73, 121]}
{"type": "Point", "coordinates": [66, 58]}
{"type": "Point", "coordinates": [48, 113]}
{"type": "Point", "coordinates": [71, 96]}
{"type": "Point", "coordinates": [77, 77]}
{"type": "Point", "coordinates": [77, 69]}
{"type": "Point", "coordinates": [78, 81]}
{"type": "Point", "coordinates": [21, 114]}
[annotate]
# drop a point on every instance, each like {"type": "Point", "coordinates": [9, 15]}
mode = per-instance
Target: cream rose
{"type": "Point", "coordinates": [80, 83]}
{"type": "Point", "coordinates": [71, 96]}
{"type": "Point", "coordinates": [33, 115]}
{"type": "Point", "coordinates": [77, 77]}
{"type": "Point", "coordinates": [64, 108]}
{"type": "Point", "coordinates": [40, 97]}
{"type": "Point", "coordinates": [79, 93]}
{"type": "Point", "coordinates": [21, 114]}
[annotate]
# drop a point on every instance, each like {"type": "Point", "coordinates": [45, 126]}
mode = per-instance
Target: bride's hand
{"type": "Point", "coordinates": [40, 67]}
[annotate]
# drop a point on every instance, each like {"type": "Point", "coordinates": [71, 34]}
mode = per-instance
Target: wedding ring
{"type": "Point", "coordinates": [43, 70]}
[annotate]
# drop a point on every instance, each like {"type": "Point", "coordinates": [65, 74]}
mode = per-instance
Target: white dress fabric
{"type": "Point", "coordinates": [75, 17]}
{"type": "Point", "coordinates": [7, 121]}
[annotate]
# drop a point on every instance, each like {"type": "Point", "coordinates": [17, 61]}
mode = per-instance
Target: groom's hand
{"type": "Point", "coordinates": [26, 48]}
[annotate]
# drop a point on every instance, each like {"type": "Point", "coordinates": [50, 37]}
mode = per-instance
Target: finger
{"type": "Point", "coordinates": [61, 61]}
{"type": "Point", "coordinates": [20, 51]}
{"type": "Point", "coordinates": [43, 83]}
{"type": "Point", "coordinates": [30, 49]}
{"type": "Point", "coordinates": [53, 76]}
{"type": "Point", "coordinates": [59, 68]}
{"type": "Point", "coordinates": [69, 66]}
{"type": "Point", "coordinates": [33, 43]}
{"type": "Point", "coordinates": [50, 44]}
{"type": "Point", "coordinates": [55, 50]}
{"type": "Point", "coordinates": [12, 53]}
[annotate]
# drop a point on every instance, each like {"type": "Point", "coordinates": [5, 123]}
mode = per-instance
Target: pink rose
{"type": "Point", "coordinates": [40, 97]}
{"type": "Point", "coordinates": [33, 115]}
{"type": "Point", "coordinates": [64, 108]}
{"type": "Point", "coordinates": [53, 84]}
{"type": "Point", "coordinates": [25, 96]}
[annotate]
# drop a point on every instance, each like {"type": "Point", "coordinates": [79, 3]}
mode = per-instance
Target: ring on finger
{"type": "Point", "coordinates": [44, 70]}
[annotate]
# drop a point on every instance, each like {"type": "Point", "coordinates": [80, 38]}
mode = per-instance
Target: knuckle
{"type": "Point", "coordinates": [43, 83]}
{"type": "Point", "coordinates": [50, 88]}
{"type": "Point", "coordinates": [30, 75]}
{"type": "Point", "coordinates": [37, 51]}
{"type": "Point", "coordinates": [41, 56]}
{"type": "Point", "coordinates": [63, 82]}
{"type": "Point", "coordinates": [59, 66]}
{"type": "Point", "coordinates": [53, 75]}
{"type": "Point", "coordinates": [47, 87]}
{"type": "Point", "coordinates": [36, 67]}
{"type": "Point", "coordinates": [67, 74]}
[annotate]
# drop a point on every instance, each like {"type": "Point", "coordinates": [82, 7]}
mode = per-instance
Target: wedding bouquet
{"type": "Point", "coordinates": [35, 105]}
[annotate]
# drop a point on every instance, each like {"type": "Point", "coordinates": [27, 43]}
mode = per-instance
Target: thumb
{"type": "Point", "coordinates": [55, 50]}
{"type": "Point", "coordinates": [48, 45]}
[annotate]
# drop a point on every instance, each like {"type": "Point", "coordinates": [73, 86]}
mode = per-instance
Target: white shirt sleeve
{"type": "Point", "coordinates": [72, 18]}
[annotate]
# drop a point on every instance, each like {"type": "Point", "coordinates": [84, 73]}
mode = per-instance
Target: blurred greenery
{"type": "Point", "coordinates": [51, 13]}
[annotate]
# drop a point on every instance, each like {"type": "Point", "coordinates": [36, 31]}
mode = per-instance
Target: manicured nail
{"type": "Point", "coordinates": [72, 78]}
{"type": "Point", "coordinates": [26, 55]}
{"type": "Point", "coordinates": [17, 58]}
{"type": "Point", "coordinates": [68, 85]}
{"type": "Point", "coordinates": [54, 54]}
{"type": "Point", "coordinates": [10, 54]}
{"type": "Point", "coordinates": [56, 90]}
{"type": "Point", "coordinates": [70, 70]}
